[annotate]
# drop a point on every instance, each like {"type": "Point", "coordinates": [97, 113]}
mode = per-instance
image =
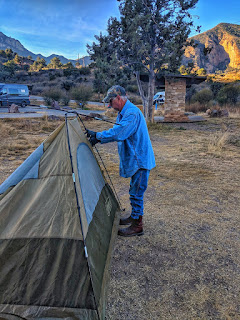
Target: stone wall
{"type": "Point", "coordinates": [174, 106]}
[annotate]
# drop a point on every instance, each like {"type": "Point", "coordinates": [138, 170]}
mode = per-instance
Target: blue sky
{"type": "Point", "coordinates": [65, 27]}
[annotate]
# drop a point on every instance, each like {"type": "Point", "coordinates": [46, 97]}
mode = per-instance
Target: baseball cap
{"type": "Point", "coordinates": [113, 92]}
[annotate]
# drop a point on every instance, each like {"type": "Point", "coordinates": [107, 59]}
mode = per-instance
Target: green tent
{"type": "Point", "coordinates": [58, 222]}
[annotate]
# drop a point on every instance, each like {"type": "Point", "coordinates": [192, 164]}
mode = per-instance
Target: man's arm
{"type": "Point", "coordinates": [126, 127]}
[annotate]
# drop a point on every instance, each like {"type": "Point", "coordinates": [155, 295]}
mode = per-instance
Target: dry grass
{"type": "Point", "coordinates": [218, 141]}
{"type": "Point", "coordinates": [187, 265]}
{"type": "Point", "coordinates": [19, 138]}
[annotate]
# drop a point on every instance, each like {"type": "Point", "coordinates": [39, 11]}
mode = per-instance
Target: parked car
{"type": "Point", "coordinates": [159, 98]}
{"type": "Point", "coordinates": [14, 93]}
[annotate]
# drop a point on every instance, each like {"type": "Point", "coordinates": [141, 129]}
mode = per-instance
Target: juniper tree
{"type": "Point", "coordinates": [38, 64]}
{"type": "Point", "coordinates": [108, 70]}
{"type": "Point", "coordinates": [55, 63]}
{"type": "Point", "coordinates": [148, 38]}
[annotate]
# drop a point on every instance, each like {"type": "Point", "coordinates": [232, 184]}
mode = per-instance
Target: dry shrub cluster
{"type": "Point", "coordinates": [218, 141]}
{"type": "Point", "coordinates": [198, 108]}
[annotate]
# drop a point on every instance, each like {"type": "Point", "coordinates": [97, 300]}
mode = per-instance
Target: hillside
{"type": "Point", "coordinates": [224, 41]}
{"type": "Point", "coordinates": [16, 46]}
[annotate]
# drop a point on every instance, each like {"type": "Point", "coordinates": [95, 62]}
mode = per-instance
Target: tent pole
{"type": "Point", "coordinates": [78, 207]}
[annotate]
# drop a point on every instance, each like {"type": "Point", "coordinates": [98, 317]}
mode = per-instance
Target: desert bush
{"type": "Point", "coordinates": [67, 72]}
{"type": "Point", "coordinates": [37, 89]}
{"type": "Point", "coordinates": [81, 94]}
{"type": "Point", "coordinates": [203, 96]}
{"type": "Point", "coordinates": [67, 85]}
{"type": "Point", "coordinates": [52, 77]}
{"type": "Point", "coordinates": [79, 80]}
{"type": "Point", "coordinates": [196, 107]}
{"type": "Point", "coordinates": [59, 73]}
{"type": "Point", "coordinates": [135, 99]}
{"type": "Point", "coordinates": [85, 71]}
{"type": "Point", "coordinates": [201, 72]}
{"type": "Point", "coordinates": [4, 75]}
{"type": "Point", "coordinates": [228, 94]}
{"type": "Point", "coordinates": [132, 88]}
{"type": "Point", "coordinates": [216, 87]}
{"type": "Point", "coordinates": [65, 99]}
{"type": "Point", "coordinates": [3, 54]}
{"type": "Point", "coordinates": [51, 95]}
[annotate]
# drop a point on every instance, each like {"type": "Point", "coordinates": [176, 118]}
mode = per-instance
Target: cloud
{"type": "Point", "coordinates": [58, 26]}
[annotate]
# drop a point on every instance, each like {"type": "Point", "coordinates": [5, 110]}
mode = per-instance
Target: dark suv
{"type": "Point", "coordinates": [14, 93]}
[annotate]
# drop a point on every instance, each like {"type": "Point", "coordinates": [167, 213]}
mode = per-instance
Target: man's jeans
{"type": "Point", "coordinates": [138, 186]}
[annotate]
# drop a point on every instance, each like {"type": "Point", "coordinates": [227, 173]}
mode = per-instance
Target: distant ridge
{"type": "Point", "coordinates": [16, 46]}
{"type": "Point", "coordinates": [224, 41]}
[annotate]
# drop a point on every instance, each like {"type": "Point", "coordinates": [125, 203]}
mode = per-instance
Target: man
{"type": "Point", "coordinates": [135, 152]}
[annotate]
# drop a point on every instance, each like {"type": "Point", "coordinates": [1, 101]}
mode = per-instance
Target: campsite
{"type": "Point", "coordinates": [187, 264]}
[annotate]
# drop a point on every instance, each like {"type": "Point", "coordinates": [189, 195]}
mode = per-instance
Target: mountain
{"type": "Point", "coordinates": [224, 42]}
{"type": "Point", "coordinates": [16, 46]}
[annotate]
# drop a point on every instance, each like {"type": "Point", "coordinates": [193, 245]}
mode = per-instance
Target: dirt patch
{"type": "Point", "coordinates": [187, 265]}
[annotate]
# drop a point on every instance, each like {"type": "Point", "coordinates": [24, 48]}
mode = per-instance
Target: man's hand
{"type": "Point", "coordinates": [92, 135]}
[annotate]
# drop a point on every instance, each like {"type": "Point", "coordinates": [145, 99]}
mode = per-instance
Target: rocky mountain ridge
{"type": "Point", "coordinates": [224, 43]}
{"type": "Point", "coordinates": [16, 46]}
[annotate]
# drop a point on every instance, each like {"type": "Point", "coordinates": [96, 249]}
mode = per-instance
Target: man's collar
{"type": "Point", "coordinates": [124, 108]}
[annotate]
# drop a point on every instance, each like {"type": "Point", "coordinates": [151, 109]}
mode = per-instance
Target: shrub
{"type": "Point", "coordinates": [37, 89]}
{"type": "Point", "coordinates": [135, 99]}
{"type": "Point", "coordinates": [132, 88]}
{"type": "Point", "coordinates": [51, 95]}
{"type": "Point", "coordinates": [228, 94]}
{"type": "Point", "coordinates": [52, 77]}
{"type": "Point", "coordinates": [81, 94]}
{"type": "Point", "coordinates": [67, 72]}
{"type": "Point", "coordinates": [65, 99]}
{"type": "Point", "coordinates": [67, 85]}
{"type": "Point", "coordinates": [216, 87]}
{"type": "Point", "coordinates": [201, 72]}
{"type": "Point", "coordinates": [196, 107]}
{"type": "Point", "coordinates": [203, 96]}
{"type": "Point", "coordinates": [85, 71]}
{"type": "Point", "coordinates": [183, 69]}
{"type": "Point", "coordinates": [3, 75]}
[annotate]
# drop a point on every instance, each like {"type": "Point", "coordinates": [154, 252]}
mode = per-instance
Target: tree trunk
{"type": "Point", "coordinates": [143, 97]}
{"type": "Point", "coordinates": [151, 86]}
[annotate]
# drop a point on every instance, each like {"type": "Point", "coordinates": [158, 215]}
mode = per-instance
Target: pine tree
{"type": "Point", "coordinates": [55, 63]}
{"type": "Point", "coordinates": [108, 70]}
{"type": "Point", "coordinates": [149, 38]}
{"type": "Point", "coordinates": [17, 59]}
{"type": "Point", "coordinates": [38, 64]}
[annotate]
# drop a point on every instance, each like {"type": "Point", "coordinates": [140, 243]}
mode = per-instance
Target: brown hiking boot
{"type": "Point", "coordinates": [135, 229]}
{"type": "Point", "coordinates": [126, 221]}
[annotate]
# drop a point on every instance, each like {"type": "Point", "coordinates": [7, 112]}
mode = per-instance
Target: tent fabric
{"type": "Point", "coordinates": [90, 191]}
{"type": "Point", "coordinates": [44, 270]}
{"type": "Point", "coordinates": [28, 170]}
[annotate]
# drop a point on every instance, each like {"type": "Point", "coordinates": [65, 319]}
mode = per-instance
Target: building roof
{"type": "Point", "coordinates": [160, 79]}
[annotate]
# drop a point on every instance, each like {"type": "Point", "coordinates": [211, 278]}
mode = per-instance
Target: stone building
{"type": "Point", "coordinates": [175, 93]}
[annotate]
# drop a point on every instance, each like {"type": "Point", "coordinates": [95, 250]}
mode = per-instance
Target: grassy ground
{"type": "Point", "coordinates": [187, 265]}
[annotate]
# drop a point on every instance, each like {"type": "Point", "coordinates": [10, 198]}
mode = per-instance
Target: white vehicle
{"type": "Point", "coordinates": [159, 98]}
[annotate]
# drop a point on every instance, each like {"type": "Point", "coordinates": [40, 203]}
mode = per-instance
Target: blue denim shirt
{"type": "Point", "coordinates": [134, 145]}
